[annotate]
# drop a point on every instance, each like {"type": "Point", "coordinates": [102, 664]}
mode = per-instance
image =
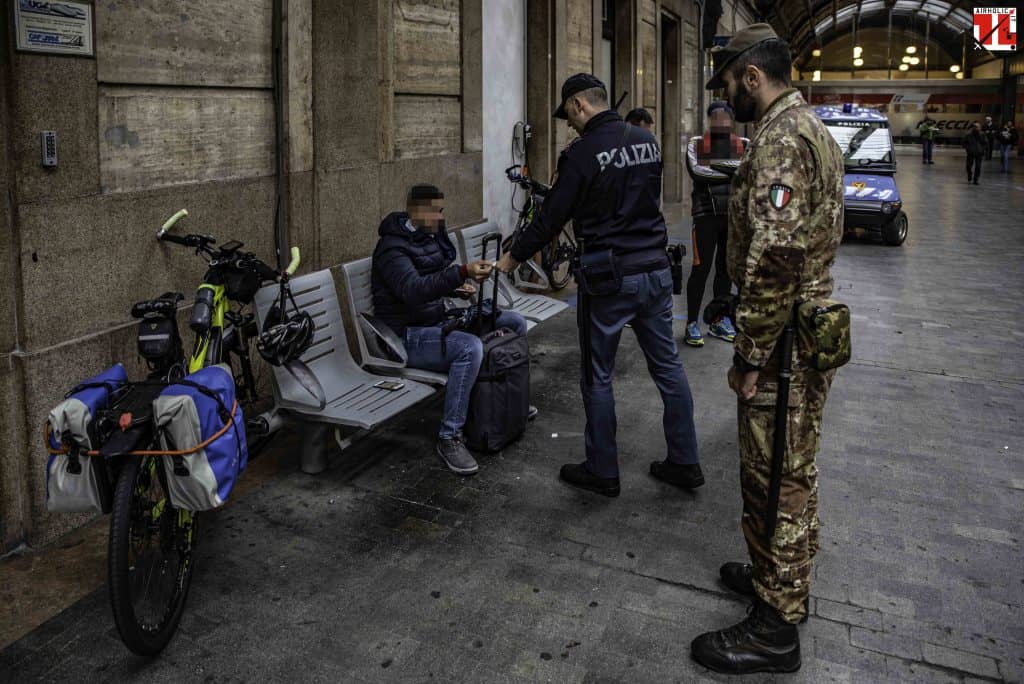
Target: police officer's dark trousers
{"type": "Point", "coordinates": [645, 301]}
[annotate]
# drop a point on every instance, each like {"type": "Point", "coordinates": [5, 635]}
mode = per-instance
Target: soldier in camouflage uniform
{"type": "Point", "coordinates": [785, 225]}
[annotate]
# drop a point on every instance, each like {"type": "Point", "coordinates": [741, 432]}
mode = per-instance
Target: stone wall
{"type": "Point", "coordinates": [174, 111]}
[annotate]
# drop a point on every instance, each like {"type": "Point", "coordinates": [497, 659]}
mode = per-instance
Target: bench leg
{"type": "Point", "coordinates": [314, 447]}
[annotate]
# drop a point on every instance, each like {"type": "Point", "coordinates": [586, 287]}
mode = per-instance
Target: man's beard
{"type": "Point", "coordinates": [743, 104]}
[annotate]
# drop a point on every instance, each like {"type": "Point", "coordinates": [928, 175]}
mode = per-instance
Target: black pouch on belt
{"type": "Point", "coordinates": [598, 275]}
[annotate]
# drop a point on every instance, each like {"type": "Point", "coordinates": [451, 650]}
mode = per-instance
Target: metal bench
{"type": "Point", "coordinates": [353, 400]}
{"type": "Point", "coordinates": [360, 300]}
{"type": "Point", "coordinates": [533, 307]}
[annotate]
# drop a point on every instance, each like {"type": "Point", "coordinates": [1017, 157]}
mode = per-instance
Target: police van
{"type": "Point", "coordinates": [872, 202]}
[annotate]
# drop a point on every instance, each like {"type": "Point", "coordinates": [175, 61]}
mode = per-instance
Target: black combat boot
{"type": "Point", "coordinates": [577, 475]}
{"type": "Point", "coordinates": [763, 642]}
{"type": "Point", "coordinates": [739, 577]}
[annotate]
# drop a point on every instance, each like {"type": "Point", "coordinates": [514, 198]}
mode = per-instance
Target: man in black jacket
{"type": "Point", "coordinates": [413, 271]}
{"type": "Point", "coordinates": [609, 184]}
{"type": "Point", "coordinates": [976, 146]}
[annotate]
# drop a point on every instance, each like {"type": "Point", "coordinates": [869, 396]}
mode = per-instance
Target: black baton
{"type": "Point", "coordinates": [583, 318]}
{"type": "Point", "coordinates": [781, 421]}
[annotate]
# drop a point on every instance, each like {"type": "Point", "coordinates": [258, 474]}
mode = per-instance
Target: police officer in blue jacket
{"type": "Point", "coordinates": [609, 184]}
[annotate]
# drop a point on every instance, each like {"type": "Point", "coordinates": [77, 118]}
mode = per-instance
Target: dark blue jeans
{"type": "Point", "coordinates": [926, 150]}
{"type": "Point", "coordinates": [463, 353]}
{"type": "Point", "coordinates": [645, 301]}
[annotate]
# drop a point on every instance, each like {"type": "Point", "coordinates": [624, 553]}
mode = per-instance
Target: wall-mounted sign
{"type": "Point", "coordinates": [60, 28]}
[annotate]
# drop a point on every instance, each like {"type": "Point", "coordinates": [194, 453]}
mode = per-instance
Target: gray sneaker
{"type": "Point", "coordinates": [455, 455]}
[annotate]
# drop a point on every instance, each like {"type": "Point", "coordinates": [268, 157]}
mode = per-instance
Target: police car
{"type": "Point", "coordinates": [872, 202]}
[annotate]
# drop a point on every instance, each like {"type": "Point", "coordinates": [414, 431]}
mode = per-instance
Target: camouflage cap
{"type": "Point", "coordinates": [746, 38]}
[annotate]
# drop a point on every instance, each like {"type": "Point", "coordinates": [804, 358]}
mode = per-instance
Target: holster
{"type": "Point", "coordinates": [597, 273]}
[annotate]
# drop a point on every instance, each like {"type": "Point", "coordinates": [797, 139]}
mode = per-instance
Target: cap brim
{"type": "Point", "coordinates": [560, 112]}
{"type": "Point", "coordinates": [715, 83]}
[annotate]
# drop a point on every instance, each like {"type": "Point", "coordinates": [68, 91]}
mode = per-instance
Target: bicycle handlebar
{"type": "Point", "coordinates": [169, 223]}
{"type": "Point", "coordinates": [203, 242]}
{"type": "Point", "coordinates": [514, 175]}
{"type": "Point", "coordinates": [293, 265]}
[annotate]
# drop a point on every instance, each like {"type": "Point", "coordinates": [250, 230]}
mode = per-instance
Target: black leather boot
{"type": "Point", "coordinates": [739, 577]}
{"type": "Point", "coordinates": [577, 475]}
{"type": "Point", "coordinates": [685, 476]}
{"type": "Point", "coordinates": [763, 642]}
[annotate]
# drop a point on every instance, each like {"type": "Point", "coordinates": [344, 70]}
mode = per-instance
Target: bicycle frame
{"type": "Point", "coordinates": [209, 343]}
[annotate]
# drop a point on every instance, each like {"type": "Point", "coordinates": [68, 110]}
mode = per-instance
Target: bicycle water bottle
{"type": "Point", "coordinates": [202, 312]}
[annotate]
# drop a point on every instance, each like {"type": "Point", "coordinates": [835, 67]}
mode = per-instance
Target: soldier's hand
{"type": "Point", "coordinates": [479, 270]}
{"type": "Point", "coordinates": [743, 384]}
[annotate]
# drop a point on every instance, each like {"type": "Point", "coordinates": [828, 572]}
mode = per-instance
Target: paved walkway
{"type": "Point", "coordinates": [387, 568]}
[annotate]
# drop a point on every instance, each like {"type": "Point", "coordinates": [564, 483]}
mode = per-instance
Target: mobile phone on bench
{"type": "Point", "coordinates": [390, 385]}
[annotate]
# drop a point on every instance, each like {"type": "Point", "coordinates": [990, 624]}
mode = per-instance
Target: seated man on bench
{"type": "Point", "coordinates": [413, 270]}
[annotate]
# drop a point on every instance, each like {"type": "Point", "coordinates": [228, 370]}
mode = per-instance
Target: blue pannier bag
{"type": "Point", "coordinates": [198, 415]}
{"type": "Point", "coordinates": [71, 479]}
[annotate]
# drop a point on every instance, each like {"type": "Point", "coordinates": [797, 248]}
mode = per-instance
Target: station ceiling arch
{"type": "Point", "coordinates": [810, 24]}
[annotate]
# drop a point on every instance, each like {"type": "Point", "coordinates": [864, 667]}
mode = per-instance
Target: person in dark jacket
{"type": "Point", "coordinates": [988, 132]}
{"type": "Point", "coordinates": [414, 269]}
{"type": "Point", "coordinates": [975, 144]}
{"type": "Point", "coordinates": [1008, 140]}
{"type": "Point", "coordinates": [609, 184]}
{"type": "Point", "coordinates": [709, 208]}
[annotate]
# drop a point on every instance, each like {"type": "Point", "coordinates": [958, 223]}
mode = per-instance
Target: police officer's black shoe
{"type": "Point", "coordinates": [739, 577]}
{"type": "Point", "coordinates": [763, 642]}
{"type": "Point", "coordinates": [687, 476]}
{"type": "Point", "coordinates": [577, 475]}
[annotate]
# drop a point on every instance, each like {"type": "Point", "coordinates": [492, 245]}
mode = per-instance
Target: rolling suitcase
{"type": "Point", "coordinates": [500, 402]}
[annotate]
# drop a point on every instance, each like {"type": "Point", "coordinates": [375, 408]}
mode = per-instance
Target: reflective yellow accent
{"type": "Point", "coordinates": [220, 307]}
{"type": "Point", "coordinates": [174, 219]}
{"type": "Point", "coordinates": [296, 260]}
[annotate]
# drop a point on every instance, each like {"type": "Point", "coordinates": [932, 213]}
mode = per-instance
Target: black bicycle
{"type": "Point", "coordinates": [555, 266]}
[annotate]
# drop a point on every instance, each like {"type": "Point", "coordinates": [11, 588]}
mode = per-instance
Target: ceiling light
{"type": "Point", "coordinates": [816, 76]}
{"type": "Point", "coordinates": [906, 59]}
{"type": "Point", "coordinates": [915, 60]}
{"type": "Point", "coordinates": [904, 67]}
{"type": "Point", "coordinates": [955, 68]}
{"type": "Point", "coordinates": [857, 50]}
{"type": "Point", "coordinates": [911, 49]}
{"type": "Point", "coordinates": [815, 52]}
{"type": "Point", "coordinates": [858, 62]}
{"type": "Point", "coordinates": [960, 74]}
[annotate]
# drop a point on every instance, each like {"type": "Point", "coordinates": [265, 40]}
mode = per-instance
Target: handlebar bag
{"type": "Point", "coordinates": [240, 284]}
{"type": "Point", "coordinates": [71, 479]}
{"type": "Point", "coordinates": [198, 418]}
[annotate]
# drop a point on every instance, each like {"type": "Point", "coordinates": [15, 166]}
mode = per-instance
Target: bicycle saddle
{"type": "Point", "coordinates": [165, 305]}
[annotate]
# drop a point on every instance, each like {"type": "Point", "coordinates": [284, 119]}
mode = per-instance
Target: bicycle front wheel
{"type": "Point", "coordinates": [149, 559]}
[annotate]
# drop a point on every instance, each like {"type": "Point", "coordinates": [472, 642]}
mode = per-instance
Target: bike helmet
{"type": "Point", "coordinates": [287, 341]}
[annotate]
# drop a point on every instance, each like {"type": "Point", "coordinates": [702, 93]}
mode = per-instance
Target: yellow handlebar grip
{"type": "Point", "coordinates": [174, 219]}
{"type": "Point", "coordinates": [293, 265]}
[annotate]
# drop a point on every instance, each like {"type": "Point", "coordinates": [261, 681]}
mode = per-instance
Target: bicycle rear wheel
{"type": "Point", "coordinates": [149, 559]}
{"type": "Point", "coordinates": [556, 257]}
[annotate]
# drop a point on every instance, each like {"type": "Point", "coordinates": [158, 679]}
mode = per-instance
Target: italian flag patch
{"type": "Point", "coordinates": [779, 195]}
